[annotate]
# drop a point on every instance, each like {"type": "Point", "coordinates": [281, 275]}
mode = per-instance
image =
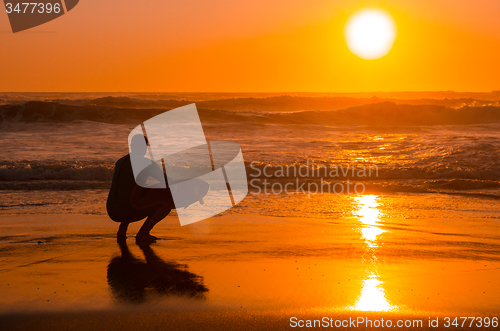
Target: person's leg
{"type": "Point", "coordinates": [145, 198]}
{"type": "Point", "coordinates": [153, 219]}
{"type": "Point", "coordinates": [122, 230]}
{"type": "Point", "coordinates": [156, 203]}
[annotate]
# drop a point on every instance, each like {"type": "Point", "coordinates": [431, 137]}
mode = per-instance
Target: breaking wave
{"type": "Point", "coordinates": [224, 111]}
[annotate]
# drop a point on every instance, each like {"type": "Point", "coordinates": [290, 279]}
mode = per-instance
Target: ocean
{"type": "Point", "coordinates": [59, 149]}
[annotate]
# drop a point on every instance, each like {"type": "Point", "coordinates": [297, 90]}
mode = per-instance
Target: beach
{"type": "Point", "coordinates": [246, 271]}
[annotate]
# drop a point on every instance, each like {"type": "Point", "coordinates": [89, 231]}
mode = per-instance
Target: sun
{"type": "Point", "coordinates": [370, 33]}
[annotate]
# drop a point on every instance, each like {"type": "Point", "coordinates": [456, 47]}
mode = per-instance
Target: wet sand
{"type": "Point", "coordinates": [243, 272]}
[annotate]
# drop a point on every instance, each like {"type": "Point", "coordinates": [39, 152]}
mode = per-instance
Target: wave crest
{"type": "Point", "coordinates": [376, 114]}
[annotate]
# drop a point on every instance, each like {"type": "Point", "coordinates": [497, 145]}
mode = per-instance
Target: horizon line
{"type": "Point", "coordinates": [284, 92]}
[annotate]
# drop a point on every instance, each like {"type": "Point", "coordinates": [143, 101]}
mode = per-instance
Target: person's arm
{"type": "Point", "coordinates": [153, 171]}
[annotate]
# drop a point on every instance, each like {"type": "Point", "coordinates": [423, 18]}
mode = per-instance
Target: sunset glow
{"type": "Point", "coordinates": [255, 47]}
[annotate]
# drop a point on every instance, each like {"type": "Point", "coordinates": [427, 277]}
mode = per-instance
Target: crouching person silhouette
{"type": "Point", "coordinates": [128, 202]}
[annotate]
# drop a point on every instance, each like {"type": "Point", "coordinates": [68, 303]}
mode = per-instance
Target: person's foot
{"type": "Point", "coordinates": [146, 237]}
{"type": "Point", "coordinates": [121, 235]}
{"type": "Point", "coordinates": [121, 240]}
{"type": "Point", "coordinates": [122, 231]}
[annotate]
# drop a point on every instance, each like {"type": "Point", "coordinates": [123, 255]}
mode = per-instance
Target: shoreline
{"type": "Point", "coordinates": [250, 262]}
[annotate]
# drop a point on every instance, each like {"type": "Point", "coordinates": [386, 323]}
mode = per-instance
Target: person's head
{"type": "Point", "coordinates": [139, 144]}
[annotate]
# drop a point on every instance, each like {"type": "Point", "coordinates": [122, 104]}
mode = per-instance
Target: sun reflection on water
{"type": "Point", "coordinates": [372, 297]}
{"type": "Point", "coordinates": [369, 216]}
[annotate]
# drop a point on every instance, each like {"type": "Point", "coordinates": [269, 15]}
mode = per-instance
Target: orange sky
{"type": "Point", "coordinates": [252, 46]}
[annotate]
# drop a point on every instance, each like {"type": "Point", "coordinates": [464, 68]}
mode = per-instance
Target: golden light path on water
{"type": "Point", "coordinates": [372, 297]}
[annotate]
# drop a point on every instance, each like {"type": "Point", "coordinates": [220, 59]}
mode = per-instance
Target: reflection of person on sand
{"type": "Point", "coordinates": [128, 202]}
{"type": "Point", "coordinates": [132, 280]}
